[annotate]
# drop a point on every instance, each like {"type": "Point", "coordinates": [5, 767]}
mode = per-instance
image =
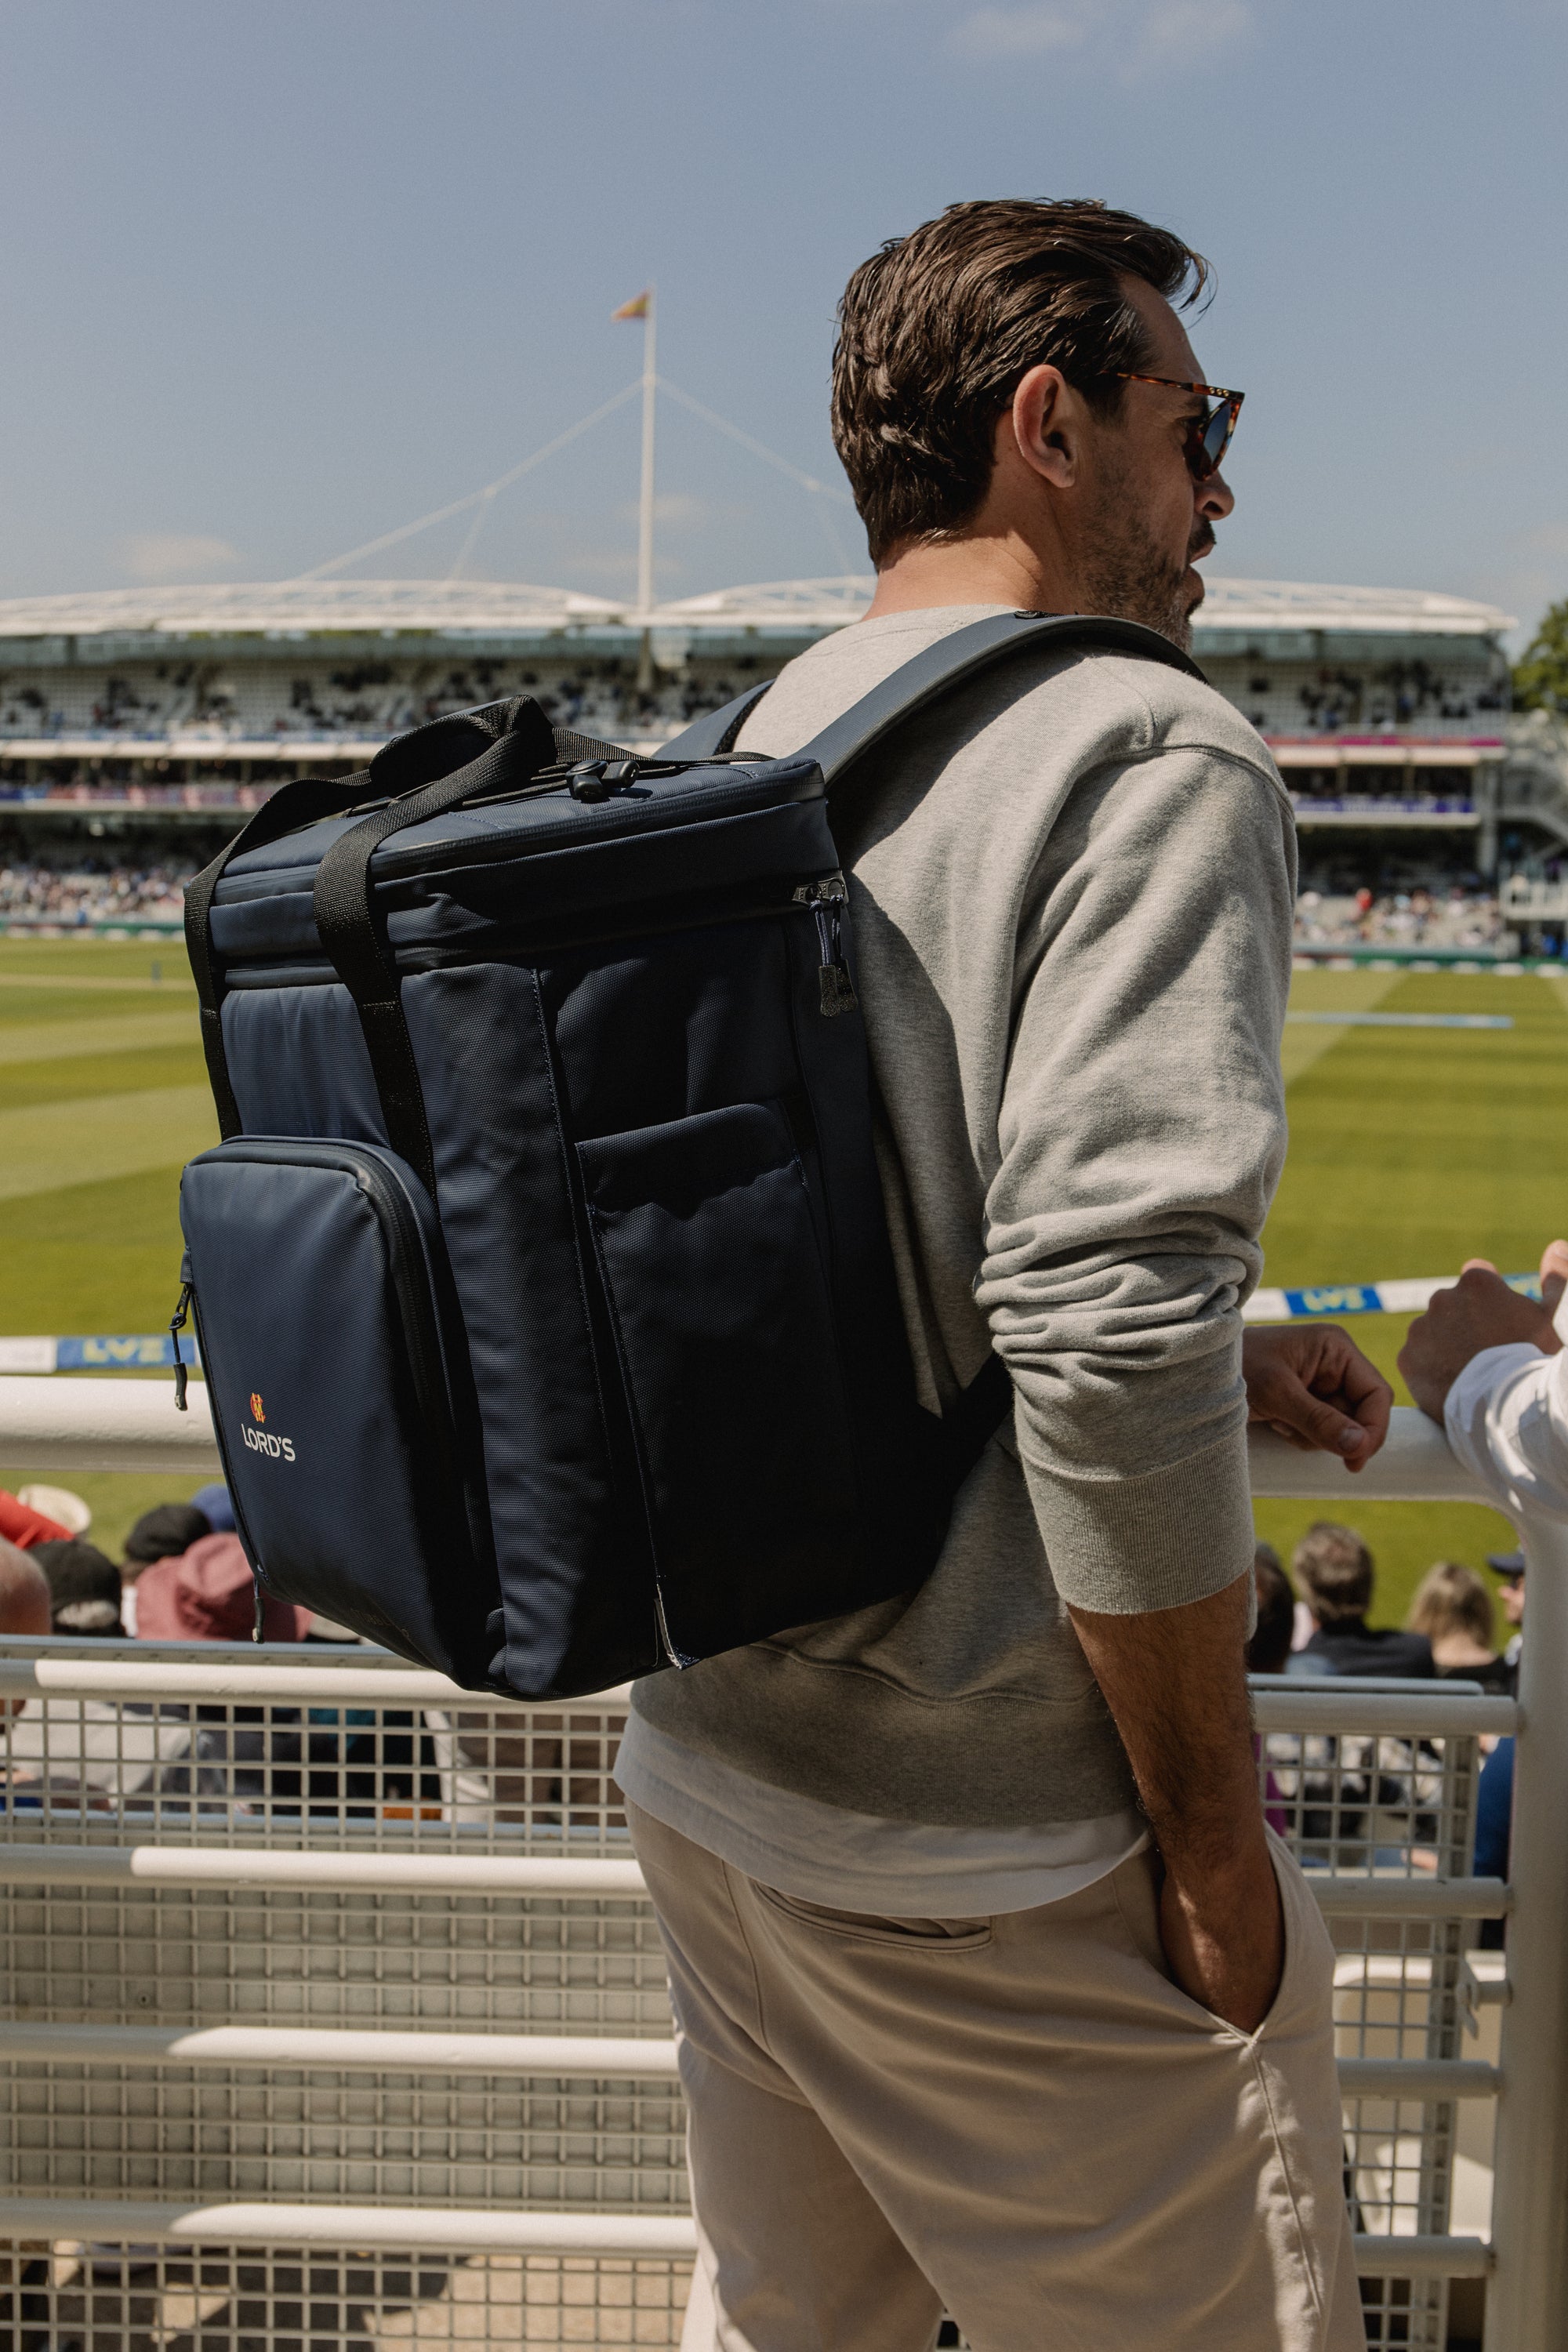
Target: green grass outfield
{"type": "Point", "coordinates": [1410, 1149]}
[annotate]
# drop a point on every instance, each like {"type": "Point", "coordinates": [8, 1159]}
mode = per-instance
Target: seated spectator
{"type": "Point", "coordinates": [24, 1601]}
{"type": "Point", "coordinates": [209, 1594]}
{"type": "Point", "coordinates": [84, 1587]}
{"type": "Point", "coordinates": [1270, 1644]}
{"type": "Point", "coordinates": [68, 1754]}
{"type": "Point", "coordinates": [1494, 1830]}
{"type": "Point", "coordinates": [216, 1508]}
{"type": "Point", "coordinates": [165, 1532]}
{"type": "Point", "coordinates": [1454, 1609]}
{"type": "Point", "coordinates": [1334, 1569]}
{"type": "Point", "coordinates": [1508, 1566]}
{"type": "Point", "coordinates": [1266, 1654]}
{"type": "Point", "coordinates": [57, 1503]}
{"type": "Point", "coordinates": [22, 1525]}
{"type": "Point", "coordinates": [25, 1606]}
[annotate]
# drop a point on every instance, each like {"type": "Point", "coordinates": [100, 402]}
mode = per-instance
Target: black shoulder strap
{"type": "Point", "coordinates": [975, 1417]}
{"type": "Point", "coordinates": [962, 654]}
{"type": "Point", "coordinates": [716, 730]}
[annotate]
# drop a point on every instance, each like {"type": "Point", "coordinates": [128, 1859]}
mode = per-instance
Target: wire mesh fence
{"type": "Point", "coordinates": [72, 2296]}
{"type": "Point", "coordinates": [332, 1767]}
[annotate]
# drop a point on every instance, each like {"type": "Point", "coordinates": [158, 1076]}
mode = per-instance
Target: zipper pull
{"type": "Point", "coordinates": [836, 989]}
{"type": "Point", "coordinates": [256, 1627]}
{"type": "Point", "coordinates": [176, 1325]}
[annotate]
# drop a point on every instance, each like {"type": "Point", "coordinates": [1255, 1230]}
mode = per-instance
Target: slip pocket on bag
{"type": "Point", "coordinates": [544, 1290]}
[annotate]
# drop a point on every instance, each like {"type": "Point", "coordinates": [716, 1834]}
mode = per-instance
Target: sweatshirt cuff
{"type": "Point", "coordinates": [1156, 1541]}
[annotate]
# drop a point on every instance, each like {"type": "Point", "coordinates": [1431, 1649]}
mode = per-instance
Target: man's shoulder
{"type": "Point", "coordinates": [1081, 707]}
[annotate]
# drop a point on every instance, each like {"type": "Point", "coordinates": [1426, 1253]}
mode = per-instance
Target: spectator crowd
{"type": "Point", "coordinates": [1452, 918]}
{"type": "Point", "coordinates": [79, 889]}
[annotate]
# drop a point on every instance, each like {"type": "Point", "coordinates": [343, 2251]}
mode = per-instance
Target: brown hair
{"type": "Point", "coordinates": [1335, 1567]}
{"type": "Point", "coordinates": [1270, 1644]}
{"type": "Point", "coordinates": [936, 331]}
{"type": "Point", "coordinates": [1451, 1599]}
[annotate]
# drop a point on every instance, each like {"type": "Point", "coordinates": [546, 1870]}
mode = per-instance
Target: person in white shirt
{"type": "Point", "coordinates": [1489, 1365]}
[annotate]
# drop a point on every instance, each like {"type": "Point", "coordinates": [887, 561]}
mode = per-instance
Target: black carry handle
{"type": "Point", "coordinates": [345, 922]}
{"type": "Point", "coordinates": [498, 748]}
{"type": "Point", "coordinates": [438, 749]}
{"type": "Point", "coordinates": [299, 803]}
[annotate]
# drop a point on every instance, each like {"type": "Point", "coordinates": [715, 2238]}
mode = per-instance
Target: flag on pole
{"type": "Point", "coordinates": [635, 308]}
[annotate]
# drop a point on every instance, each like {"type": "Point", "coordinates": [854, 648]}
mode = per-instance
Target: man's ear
{"type": "Point", "coordinates": [1045, 424]}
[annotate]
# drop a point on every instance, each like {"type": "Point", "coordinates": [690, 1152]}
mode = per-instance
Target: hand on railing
{"type": "Point", "coordinates": [1480, 1311]}
{"type": "Point", "coordinates": [1311, 1385]}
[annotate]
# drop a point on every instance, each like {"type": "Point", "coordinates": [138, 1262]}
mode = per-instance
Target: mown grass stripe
{"type": "Point", "coordinates": [80, 1141]}
{"type": "Point", "coordinates": [1328, 991]}
{"type": "Point", "coordinates": [177, 984]}
{"type": "Point", "coordinates": [54, 1041]}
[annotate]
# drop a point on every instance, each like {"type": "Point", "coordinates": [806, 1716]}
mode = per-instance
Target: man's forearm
{"type": "Point", "coordinates": [1175, 1681]}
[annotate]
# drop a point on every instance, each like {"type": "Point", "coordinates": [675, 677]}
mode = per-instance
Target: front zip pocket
{"type": "Point", "coordinates": [337, 1374]}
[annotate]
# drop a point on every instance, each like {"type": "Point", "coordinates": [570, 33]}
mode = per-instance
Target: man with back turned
{"type": "Point", "coordinates": [995, 1993]}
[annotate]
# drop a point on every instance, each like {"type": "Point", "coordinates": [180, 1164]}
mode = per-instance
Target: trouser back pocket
{"type": "Point", "coordinates": [339, 1384]}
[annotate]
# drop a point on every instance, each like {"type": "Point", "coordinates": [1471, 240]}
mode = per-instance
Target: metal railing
{"type": "Point", "coordinates": [313, 1960]}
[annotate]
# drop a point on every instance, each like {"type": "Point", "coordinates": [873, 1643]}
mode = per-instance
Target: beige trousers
{"type": "Point", "coordinates": [1019, 2118]}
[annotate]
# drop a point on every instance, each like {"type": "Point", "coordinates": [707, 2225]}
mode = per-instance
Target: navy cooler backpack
{"type": "Point", "coordinates": [541, 1279]}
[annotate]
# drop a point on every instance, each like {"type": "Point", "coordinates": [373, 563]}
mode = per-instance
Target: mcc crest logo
{"type": "Point", "coordinates": [262, 1441]}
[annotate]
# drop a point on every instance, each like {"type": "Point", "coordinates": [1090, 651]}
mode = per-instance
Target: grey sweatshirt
{"type": "Point", "coordinates": [1072, 890]}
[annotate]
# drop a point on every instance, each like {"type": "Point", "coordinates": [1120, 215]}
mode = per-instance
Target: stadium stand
{"type": "Point", "coordinates": [136, 725]}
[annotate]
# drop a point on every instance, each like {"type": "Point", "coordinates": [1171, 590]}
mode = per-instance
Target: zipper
{"type": "Point", "coordinates": [826, 898]}
{"type": "Point", "coordinates": [397, 1214]}
{"type": "Point", "coordinates": [305, 971]}
{"type": "Point", "coordinates": [176, 1325]}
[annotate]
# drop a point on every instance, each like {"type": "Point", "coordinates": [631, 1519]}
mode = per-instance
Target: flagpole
{"type": "Point", "coordinates": [645, 500]}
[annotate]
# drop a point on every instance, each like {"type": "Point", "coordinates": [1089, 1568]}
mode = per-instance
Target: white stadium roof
{"type": "Point", "coordinates": [303, 608]}
{"type": "Point", "coordinates": [1286, 604]}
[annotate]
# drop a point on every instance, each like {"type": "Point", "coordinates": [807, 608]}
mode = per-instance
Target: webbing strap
{"type": "Point", "coordinates": [963, 654]}
{"type": "Point", "coordinates": [299, 803]}
{"type": "Point", "coordinates": [716, 730]}
{"type": "Point", "coordinates": [353, 939]}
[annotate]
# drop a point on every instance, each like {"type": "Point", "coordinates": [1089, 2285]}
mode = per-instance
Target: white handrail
{"type": "Point", "coordinates": [589, 2057]}
{"type": "Point", "coordinates": [291, 1870]}
{"type": "Point", "coordinates": [121, 2222]}
{"type": "Point", "coordinates": [1415, 1466]}
{"type": "Point", "coordinates": [112, 1423]}
{"type": "Point", "coordinates": [288, 1869]}
{"type": "Point", "coordinates": [613, 2058]}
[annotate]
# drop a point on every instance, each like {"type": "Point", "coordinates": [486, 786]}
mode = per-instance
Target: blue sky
{"type": "Point", "coordinates": [276, 278]}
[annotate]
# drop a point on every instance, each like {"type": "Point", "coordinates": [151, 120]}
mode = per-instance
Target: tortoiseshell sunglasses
{"type": "Point", "coordinates": [1208, 435]}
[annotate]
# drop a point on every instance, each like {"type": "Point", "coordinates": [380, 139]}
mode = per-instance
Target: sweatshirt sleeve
{"type": "Point", "coordinates": [1142, 1133]}
{"type": "Point", "coordinates": [1507, 1419]}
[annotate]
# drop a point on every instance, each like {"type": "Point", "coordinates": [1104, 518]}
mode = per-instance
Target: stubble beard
{"type": "Point", "coordinates": [1133, 576]}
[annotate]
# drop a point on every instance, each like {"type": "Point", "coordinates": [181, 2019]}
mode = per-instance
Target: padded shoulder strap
{"type": "Point", "coordinates": [716, 730]}
{"type": "Point", "coordinates": [962, 654]}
